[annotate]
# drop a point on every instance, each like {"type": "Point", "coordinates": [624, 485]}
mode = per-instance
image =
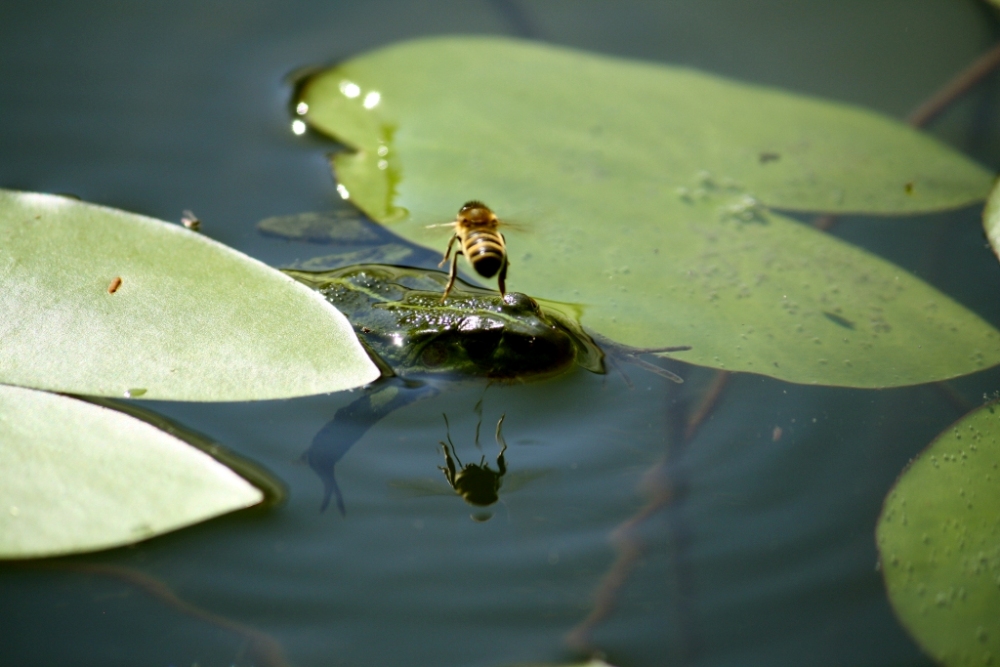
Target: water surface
{"type": "Point", "coordinates": [761, 550]}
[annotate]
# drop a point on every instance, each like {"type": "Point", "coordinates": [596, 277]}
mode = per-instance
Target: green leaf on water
{"type": "Point", "coordinates": [78, 477]}
{"type": "Point", "coordinates": [647, 194]}
{"type": "Point", "coordinates": [102, 302]}
{"type": "Point", "coordinates": [991, 219]}
{"type": "Point", "coordinates": [939, 541]}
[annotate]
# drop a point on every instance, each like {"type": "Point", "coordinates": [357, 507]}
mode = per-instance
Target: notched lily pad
{"type": "Point", "coordinates": [939, 543]}
{"type": "Point", "coordinates": [78, 477]}
{"type": "Point", "coordinates": [102, 302]}
{"type": "Point", "coordinates": [649, 192]}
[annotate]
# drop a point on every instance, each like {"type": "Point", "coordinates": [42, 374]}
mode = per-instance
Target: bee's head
{"type": "Point", "coordinates": [475, 212]}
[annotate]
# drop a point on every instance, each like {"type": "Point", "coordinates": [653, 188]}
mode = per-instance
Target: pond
{"type": "Point", "coordinates": [728, 520]}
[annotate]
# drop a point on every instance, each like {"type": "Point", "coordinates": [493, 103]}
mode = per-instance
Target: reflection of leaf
{"type": "Point", "coordinates": [939, 540]}
{"type": "Point", "coordinates": [77, 477]}
{"type": "Point", "coordinates": [387, 253]}
{"type": "Point", "coordinates": [320, 227]}
{"type": "Point", "coordinates": [650, 184]}
{"type": "Point", "coordinates": [102, 302]}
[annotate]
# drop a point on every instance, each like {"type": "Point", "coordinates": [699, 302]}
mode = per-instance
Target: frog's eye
{"type": "Point", "coordinates": [520, 301]}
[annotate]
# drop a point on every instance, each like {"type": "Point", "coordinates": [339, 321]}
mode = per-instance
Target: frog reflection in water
{"type": "Point", "coordinates": [417, 341]}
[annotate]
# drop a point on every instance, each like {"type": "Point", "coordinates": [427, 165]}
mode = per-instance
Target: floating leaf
{"type": "Point", "coordinates": [77, 477]}
{"type": "Point", "coordinates": [103, 302]}
{"type": "Point", "coordinates": [939, 540]}
{"type": "Point", "coordinates": [647, 189]}
{"type": "Point", "coordinates": [991, 219]}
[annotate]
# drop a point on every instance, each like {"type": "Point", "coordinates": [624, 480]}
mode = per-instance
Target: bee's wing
{"type": "Point", "coordinates": [515, 225]}
{"type": "Point", "coordinates": [520, 478]}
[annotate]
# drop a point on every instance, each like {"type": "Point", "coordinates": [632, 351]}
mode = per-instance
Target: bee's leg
{"type": "Point", "coordinates": [450, 471]}
{"type": "Point", "coordinates": [503, 446]}
{"type": "Point", "coordinates": [502, 278]}
{"type": "Point", "coordinates": [448, 251]}
{"type": "Point", "coordinates": [451, 274]}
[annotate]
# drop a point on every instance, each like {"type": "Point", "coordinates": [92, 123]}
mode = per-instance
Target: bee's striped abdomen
{"type": "Point", "coordinates": [485, 250]}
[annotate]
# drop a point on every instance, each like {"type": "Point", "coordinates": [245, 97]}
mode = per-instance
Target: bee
{"type": "Point", "coordinates": [476, 232]}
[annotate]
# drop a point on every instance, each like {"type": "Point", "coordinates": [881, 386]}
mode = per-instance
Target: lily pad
{"type": "Point", "coordinates": [78, 477]}
{"type": "Point", "coordinates": [939, 540]}
{"type": "Point", "coordinates": [646, 192]}
{"type": "Point", "coordinates": [991, 219]}
{"type": "Point", "coordinates": [102, 302]}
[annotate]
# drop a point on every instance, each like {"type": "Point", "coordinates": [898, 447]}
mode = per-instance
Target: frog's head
{"type": "Point", "coordinates": [498, 337]}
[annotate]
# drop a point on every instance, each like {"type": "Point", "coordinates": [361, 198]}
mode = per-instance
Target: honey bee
{"type": "Point", "coordinates": [476, 232]}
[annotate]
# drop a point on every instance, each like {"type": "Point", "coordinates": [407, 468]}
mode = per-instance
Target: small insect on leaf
{"type": "Point", "coordinates": [115, 284]}
{"type": "Point", "coordinates": [190, 221]}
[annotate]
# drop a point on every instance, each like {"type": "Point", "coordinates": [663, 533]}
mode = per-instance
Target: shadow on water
{"type": "Point", "coordinates": [350, 423]}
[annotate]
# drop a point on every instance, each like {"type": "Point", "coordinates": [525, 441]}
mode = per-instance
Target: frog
{"type": "Point", "coordinates": [423, 343]}
{"type": "Point", "coordinates": [399, 316]}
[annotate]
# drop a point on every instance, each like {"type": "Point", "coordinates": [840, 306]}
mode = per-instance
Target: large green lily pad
{"type": "Point", "coordinates": [646, 194]}
{"type": "Point", "coordinates": [939, 540]}
{"type": "Point", "coordinates": [102, 302]}
{"type": "Point", "coordinates": [78, 477]}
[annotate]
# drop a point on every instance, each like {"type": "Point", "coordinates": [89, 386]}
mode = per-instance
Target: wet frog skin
{"type": "Point", "coordinates": [397, 312]}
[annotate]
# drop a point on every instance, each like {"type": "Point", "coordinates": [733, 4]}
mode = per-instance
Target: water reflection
{"type": "Point", "coordinates": [350, 89]}
{"type": "Point", "coordinates": [476, 483]}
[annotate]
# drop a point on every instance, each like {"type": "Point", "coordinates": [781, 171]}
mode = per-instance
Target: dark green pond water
{"type": "Point", "coordinates": [759, 549]}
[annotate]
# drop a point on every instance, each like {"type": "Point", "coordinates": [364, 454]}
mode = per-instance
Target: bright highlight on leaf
{"type": "Point", "coordinates": [648, 194]}
{"type": "Point", "coordinates": [77, 477]}
{"type": "Point", "coordinates": [939, 540]}
{"type": "Point", "coordinates": [102, 302]}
